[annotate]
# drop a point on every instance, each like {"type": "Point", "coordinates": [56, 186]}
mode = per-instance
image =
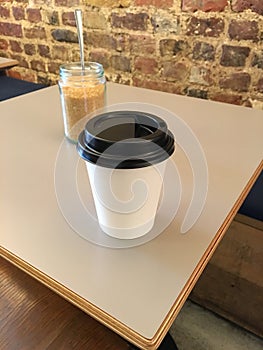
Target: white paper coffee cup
{"type": "Point", "coordinates": [126, 155]}
{"type": "Point", "coordinates": [128, 207]}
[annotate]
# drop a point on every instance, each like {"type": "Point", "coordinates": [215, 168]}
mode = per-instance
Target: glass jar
{"type": "Point", "coordinates": [81, 93]}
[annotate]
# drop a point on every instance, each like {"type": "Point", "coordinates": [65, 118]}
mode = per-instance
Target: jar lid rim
{"type": "Point", "coordinates": [75, 68]}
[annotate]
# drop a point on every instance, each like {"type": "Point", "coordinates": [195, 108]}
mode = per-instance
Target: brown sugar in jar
{"type": "Point", "coordinates": [81, 93]}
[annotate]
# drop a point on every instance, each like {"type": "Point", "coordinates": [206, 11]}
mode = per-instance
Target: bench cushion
{"type": "Point", "coordinates": [11, 87]}
{"type": "Point", "coordinates": [253, 205]}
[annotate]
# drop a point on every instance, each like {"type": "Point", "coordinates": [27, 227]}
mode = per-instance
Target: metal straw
{"type": "Point", "coordinates": [78, 18]}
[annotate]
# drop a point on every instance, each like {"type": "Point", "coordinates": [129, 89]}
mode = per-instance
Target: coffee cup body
{"type": "Point", "coordinates": [126, 153]}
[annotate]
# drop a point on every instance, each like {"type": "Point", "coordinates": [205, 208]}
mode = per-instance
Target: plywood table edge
{"type": "Point", "coordinates": [109, 321]}
{"type": "Point", "coordinates": [89, 308]}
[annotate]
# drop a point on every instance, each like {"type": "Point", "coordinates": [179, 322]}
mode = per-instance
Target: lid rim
{"type": "Point", "coordinates": [127, 152]}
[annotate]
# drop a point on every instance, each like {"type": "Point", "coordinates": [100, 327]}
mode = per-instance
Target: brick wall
{"type": "Point", "coordinates": [210, 49]}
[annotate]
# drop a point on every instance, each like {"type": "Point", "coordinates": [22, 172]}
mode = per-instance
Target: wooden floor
{"type": "Point", "coordinates": [33, 317]}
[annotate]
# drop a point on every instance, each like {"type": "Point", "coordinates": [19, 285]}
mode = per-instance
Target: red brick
{"type": "Point", "coordinates": [253, 5]}
{"type": "Point", "coordinates": [156, 85]}
{"type": "Point", "coordinates": [243, 30]}
{"type": "Point", "coordinates": [100, 40]}
{"type": "Point", "coordinates": [68, 18]}
{"type": "Point", "coordinates": [38, 65]}
{"type": "Point", "coordinates": [236, 81]}
{"type": "Point", "coordinates": [35, 32]}
{"type": "Point", "coordinates": [67, 3]}
{"type": "Point", "coordinates": [175, 71]}
{"type": "Point", "coordinates": [11, 29]}
{"type": "Point", "coordinates": [210, 27]}
{"type": "Point", "coordinates": [15, 46]}
{"type": "Point", "coordinates": [204, 5]}
{"type": "Point", "coordinates": [132, 21]}
{"type": "Point", "coordinates": [143, 44]}
{"type": "Point", "coordinates": [18, 13]}
{"type": "Point", "coordinates": [4, 12]}
{"type": "Point", "coordinates": [146, 65]}
{"type": "Point", "coordinates": [260, 85]}
{"type": "Point", "coordinates": [65, 35]}
{"type": "Point", "coordinates": [155, 3]}
{"type": "Point", "coordinates": [102, 56]}
{"type": "Point", "coordinates": [33, 15]}
{"type": "Point", "coordinates": [30, 49]}
{"type": "Point", "coordinates": [203, 51]}
{"type": "Point", "coordinates": [44, 79]}
{"type": "Point", "coordinates": [227, 98]}
{"type": "Point", "coordinates": [13, 74]}
{"type": "Point", "coordinates": [3, 44]}
{"type": "Point", "coordinates": [122, 63]}
{"type": "Point", "coordinates": [53, 67]}
{"type": "Point", "coordinates": [22, 61]}
{"type": "Point", "coordinates": [234, 56]}
{"type": "Point", "coordinates": [29, 76]}
{"type": "Point", "coordinates": [61, 53]}
{"type": "Point", "coordinates": [44, 50]}
{"type": "Point", "coordinates": [257, 59]}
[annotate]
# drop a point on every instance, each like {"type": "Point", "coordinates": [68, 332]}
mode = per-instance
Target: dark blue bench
{"type": "Point", "coordinates": [11, 87]}
{"type": "Point", "coordinates": [253, 205]}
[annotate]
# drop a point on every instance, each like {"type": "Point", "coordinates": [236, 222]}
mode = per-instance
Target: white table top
{"type": "Point", "coordinates": [7, 62]}
{"type": "Point", "coordinates": [137, 291]}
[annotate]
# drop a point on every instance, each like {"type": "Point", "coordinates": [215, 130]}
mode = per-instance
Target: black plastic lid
{"type": "Point", "coordinates": [125, 140]}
